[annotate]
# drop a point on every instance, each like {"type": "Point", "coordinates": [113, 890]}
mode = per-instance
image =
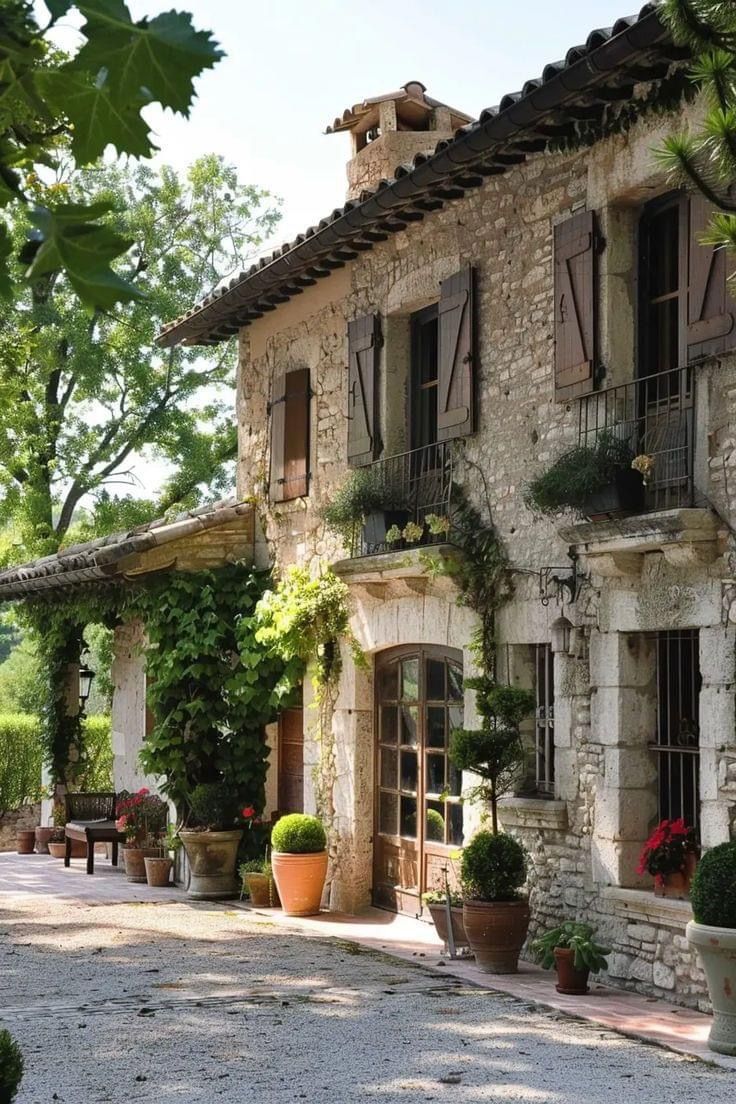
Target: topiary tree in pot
{"type": "Point", "coordinates": [494, 865]}
{"type": "Point", "coordinates": [299, 862]}
{"type": "Point", "coordinates": [713, 933]}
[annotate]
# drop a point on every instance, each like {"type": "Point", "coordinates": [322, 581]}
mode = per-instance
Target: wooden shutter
{"type": "Point", "coordinates": [455, 367]}
{"type": "Point", "coordinates": [711, 311]}
{"type": "Point", "coordinates": [364, 343]}
{"type": "Point", "coordinates": [290, 436]}
{"type": "Point", "coordinates": [575, 305]}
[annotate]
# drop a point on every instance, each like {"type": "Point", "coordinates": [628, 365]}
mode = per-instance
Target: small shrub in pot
{"type": "Point", "coordinates": [299, 860]}
{"type": "Point", "coordinates": [572, 950]}
{"type": "Point", "coordinates": [713, 933]}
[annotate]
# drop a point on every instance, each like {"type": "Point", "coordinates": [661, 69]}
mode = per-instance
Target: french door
{"type": "Point", "coordinates": [419, 814]}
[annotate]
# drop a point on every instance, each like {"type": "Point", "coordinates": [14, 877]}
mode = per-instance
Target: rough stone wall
{"type": "Point", "coordinates": [18, 820]}
{"type": "Point", "coordinates": [584, 844]}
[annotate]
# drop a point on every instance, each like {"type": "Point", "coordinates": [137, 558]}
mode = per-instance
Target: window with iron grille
{"type": "Point", "coordinates": [544, 733]}
{"type": "Point", "coordinates": [677, 741]}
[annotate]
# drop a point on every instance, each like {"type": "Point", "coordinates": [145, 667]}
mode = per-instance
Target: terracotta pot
{"type": "Point", "coordinates": [57, 849]}
{"type": "Point", "coordinates": [569, 979]}
{"type": "Point", "coordinates": [300, 880]}
{"type": "Point", "coordinates": [677, 884]}
{"type": "Point", "coordinates": [496, 931]}
{"type": "Point", "coordinates": [158, 869]}
{"type": "Point", "coordinates": [134, 860]}
{"type": "Point", "coordinates": [717, 950]}
{"type": "Point", "coordinates": [439, 916]}
{"type": "Point", "coordinates": [262, 891]}
{"type": "Point", "coordinates": [212, 857]}
{"type": "Point", "coordinates": [25, 841]}
{"type": "Point", "coordinates": [43, 835]}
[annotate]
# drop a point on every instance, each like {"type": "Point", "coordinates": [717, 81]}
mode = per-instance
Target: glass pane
{"type": "Point", "coordinates": [389, 718]}
{"type": "Point", "coordinates": [409, 725]}
{"type": "Point", "coordinates": [435, 680]}
{"type": "Point", "coordinates": [409, 817]}
{"type": "Point", "coordinates": [388, 683]}
{"type": "Point", "coordinates": [435, 823]}
{"type": "Point", "coordinates": [387, 814]}
{"type": "Point", "coordinates": [455, 828]}
{"type": "Point", "coordinates": [409, 771]}
{"type": "Point", "coordinates": [436, 726]}
{"type": "Point", "coordinates": [454, 682]}
{"type": "Point", "coordinates": [455, 716]}
{"type": "Point", "coordinates": [454, 780]}
{"type": "Point", "coordinates": [435, 781]}
{"type": "Point", "coordinates": [389, 772]}
{"type": "Point", "coordinates": [410, 680]}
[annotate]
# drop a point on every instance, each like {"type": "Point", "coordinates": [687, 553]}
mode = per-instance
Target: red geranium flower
{"type": "Point", "coordinates": [248, 812]}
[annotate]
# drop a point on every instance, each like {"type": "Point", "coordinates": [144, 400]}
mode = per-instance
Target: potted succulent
{"type": "Point", "coordinates": [11, 1067]}
{"type": "Point", "coordinates": [436, 901]}
{"type": "Point", "coordinates": [299, 860]}
{"type": "Point", "coordinates": [572, 950]}
{"type": "Point", "coordinates": [142, 818]}
{"type": "Point", "coordinates": [596, 480]}
{"type": "Point", "coordinates": [159, 866]}
{"type": "Point", "coordinates": [368, 500]}
{"type": "Point", "coordinates": [211, 839]}
{"type": "Point", "coordinates": [257, 881]}
{"type": "Point", "coordinates": [713, 933]}
{"type": "Point", "coordinates": [670, 856]}
{"type": "Point", "coordinates": [494, 865]}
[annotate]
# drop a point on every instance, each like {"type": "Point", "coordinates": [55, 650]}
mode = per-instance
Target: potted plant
{"type": "Point", "coordinates": [25, 841]}
{"type": "Point", "coordinates": [43, 834]}
{"type": "Point", "coordinates": [257, 881]}
{"type": "Point", "coordinates": [142, 818]}
{"type": "Point", "coordinates": [57, 843]}
{"type": "Point", "coordinates": [367, 499]}
{"type": "Point", "coordinates": [572, 950]}
{"type": "Point", "coordinates": [159, 866]}
{"type": "Point", "coordinates": [299, 860]}
{"type": "Point", "coordinates": [436, 901]}
{"type": "Point", "coordinates": [57, 840]}
{"type": "Point", "coordinates": [712, 932]}
{"type": "Point", "coordinates": [494, 865]}
{"type": "Point", "coordinates": [595, 480]}
{"type": "Point", "coordinates": [670, 856]}
{"type": "Point", "coordinates": [211, 839]}
{"type": "Point", "coordinates": [11, 1067]}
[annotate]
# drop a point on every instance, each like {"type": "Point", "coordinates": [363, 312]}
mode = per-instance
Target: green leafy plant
{"type": "Point", "coordinates": [439, 896]}
{"type": "Point", "coordinates": [438, 524]}
{"type": "Point", "coordinates": [213, 806]}
{"type": "Point", "coordinates": [493, 867]}
{"type": "Point", "coordinates": [21, 759]}
{"type": "Point", "coordinates": [393, 534]}
{"type": "Point", "coordinates": [11, 1067]}
{"type": "Point", "coordinates": [574, 936]}
{"type": "Point", "coordinates": [577, 474]}
{"type": "Point", "coordinates": [713, 889]}
{"type": "Point", "coordinates": [364, 491]}
{"type": "Point", "coordinates": [412, 532]}
{"type": "Point", "coordinates": [298, 834]}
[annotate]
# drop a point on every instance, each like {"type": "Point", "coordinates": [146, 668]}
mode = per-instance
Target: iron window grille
{"type": "Point", "coordinates": [544, 729]}
{"type": "Point", "coordinates": [677, 747]}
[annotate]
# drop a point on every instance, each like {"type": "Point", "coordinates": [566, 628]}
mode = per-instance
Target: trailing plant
{"type": "Point", "coordinates": [298, 834]}
{"type": "Point", "coordinates": [11, 1067]}
{"type": "Point", "coordinates": [364, 491]}
{"type": "Point", "coordinates": [493, 867]}
{"type": "Point", "coordinates": [213, 686]}
{"type": "Point", "coordinates": [577, 474]}
{"type": "Point", "coordinates": [713, 889]}
{"type": "Point", "coordinates": [573, 936]}
{"type": "Point", "coordinates": [666, 850]}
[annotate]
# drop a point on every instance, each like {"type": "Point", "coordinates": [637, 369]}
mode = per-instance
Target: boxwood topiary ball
{"type": "Point", "coordinates": [298, 834]}
{"type": "Point", "coordinates": [713, 892]}
{"type": "Point", "coordinates": [493, 867]}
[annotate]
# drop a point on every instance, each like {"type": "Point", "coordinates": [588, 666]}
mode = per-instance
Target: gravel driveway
{"type": "Point", "coordinates": [173, 1002]}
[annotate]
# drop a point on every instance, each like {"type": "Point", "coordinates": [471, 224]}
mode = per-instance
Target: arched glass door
{"type": "Point", "coordinates": [419, 815]}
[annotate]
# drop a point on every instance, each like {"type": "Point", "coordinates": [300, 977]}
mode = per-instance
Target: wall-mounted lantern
{"type": "Point", "coordinates": [85, 685]}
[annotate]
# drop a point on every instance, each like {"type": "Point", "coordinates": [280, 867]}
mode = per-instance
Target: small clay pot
{"type": "Point", "coordinates": [43, 835]}
{"type": "Point", "coordinates": [300, 880]}
{"type": "Point", "coordinates": [570, 980]}
{"type": "Point", "coordinates": [134, 860]}
{"type": "Point", "coordinates": [57, 849]}
{"type": "Point", "coordinates": [158, 869]}
{"type": "Point", "coordinates": [262, 891]}
{"type": "Point", "coordinates": [25, 841]}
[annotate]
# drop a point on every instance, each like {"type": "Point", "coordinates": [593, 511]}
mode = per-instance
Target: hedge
{"type": "Point", "coordinates": [21, 758]}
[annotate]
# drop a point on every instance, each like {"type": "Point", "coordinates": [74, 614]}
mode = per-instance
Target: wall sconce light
{"type": "Point", "coordinates": [85, 685]}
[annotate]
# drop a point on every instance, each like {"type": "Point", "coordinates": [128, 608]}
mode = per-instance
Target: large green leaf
{"type": "Point", "coordinates": [98, 118]}
{"type": "Point", "coordinates": [156, 59]}
{"type": "Point", "coordinates": [6, 249]}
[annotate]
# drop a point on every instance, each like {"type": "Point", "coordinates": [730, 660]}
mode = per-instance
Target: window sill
{"type": "Point", "coordinates": [638, 905]}
{"type": "Point", "coordinates": [533, 812]}
{"type": "Point", "coordinates": [399, 574]}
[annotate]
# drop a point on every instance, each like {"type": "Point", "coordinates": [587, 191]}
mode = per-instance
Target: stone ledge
{"type": "Point", "coordinates": [399, 574]}
{"type": "Point", "coordinates": [533, 812]}
{"type": "Point", "coordinates": [637, 905]}
{"type": "Point", "coordinates": [616, 548]}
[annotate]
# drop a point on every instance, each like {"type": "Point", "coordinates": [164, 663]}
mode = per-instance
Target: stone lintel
{"type": "Point", "coordinates": [637, 906]}
{"type": "Point", "coordinates": [533, 812]}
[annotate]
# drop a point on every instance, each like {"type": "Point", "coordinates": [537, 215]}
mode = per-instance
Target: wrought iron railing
{"type": "Point", "coordinates": [418, 483]}
{"type": "Point", "coordinates": [655, 416]}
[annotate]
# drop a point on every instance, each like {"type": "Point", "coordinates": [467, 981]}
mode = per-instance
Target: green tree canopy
{"type": "Point", "coordinates": [81, 105]}
{"type": "Point", "coordinates": [81, 395]}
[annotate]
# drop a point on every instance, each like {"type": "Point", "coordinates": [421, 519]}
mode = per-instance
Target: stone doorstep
{"type": "Point", "coordinates": [647, 1019]}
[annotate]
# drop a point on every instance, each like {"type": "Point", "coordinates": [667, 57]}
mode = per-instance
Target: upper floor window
{"type": "Point", "coordinates": [424, 378]}
{"type": "Point", "coordinates": [663, 275]}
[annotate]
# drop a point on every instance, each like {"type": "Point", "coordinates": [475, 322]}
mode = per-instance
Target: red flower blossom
{"type": "Point", "coordinates": [666, 849]}
{"type": "Point", "coordinates": [248, 812]}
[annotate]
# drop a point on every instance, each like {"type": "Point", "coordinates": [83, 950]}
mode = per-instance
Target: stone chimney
{"type": "Point", "coordinates": [390, 130]}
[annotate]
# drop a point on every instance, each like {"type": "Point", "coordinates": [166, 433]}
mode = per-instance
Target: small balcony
{"type": "Point", "coordinates": [417, 484]}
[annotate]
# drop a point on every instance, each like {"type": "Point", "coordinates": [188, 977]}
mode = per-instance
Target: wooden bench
{"type": "Point", "coordinates": [91, 818]}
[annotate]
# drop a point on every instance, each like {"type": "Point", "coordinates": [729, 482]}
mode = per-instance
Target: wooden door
{"type": "Point", "coordinates": [418, 812]}
{"type": "Point", "coordinates": [291, 761]}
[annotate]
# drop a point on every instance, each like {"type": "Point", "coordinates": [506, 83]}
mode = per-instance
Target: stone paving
{"type": "Point", "coordinates": [126, 996]}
